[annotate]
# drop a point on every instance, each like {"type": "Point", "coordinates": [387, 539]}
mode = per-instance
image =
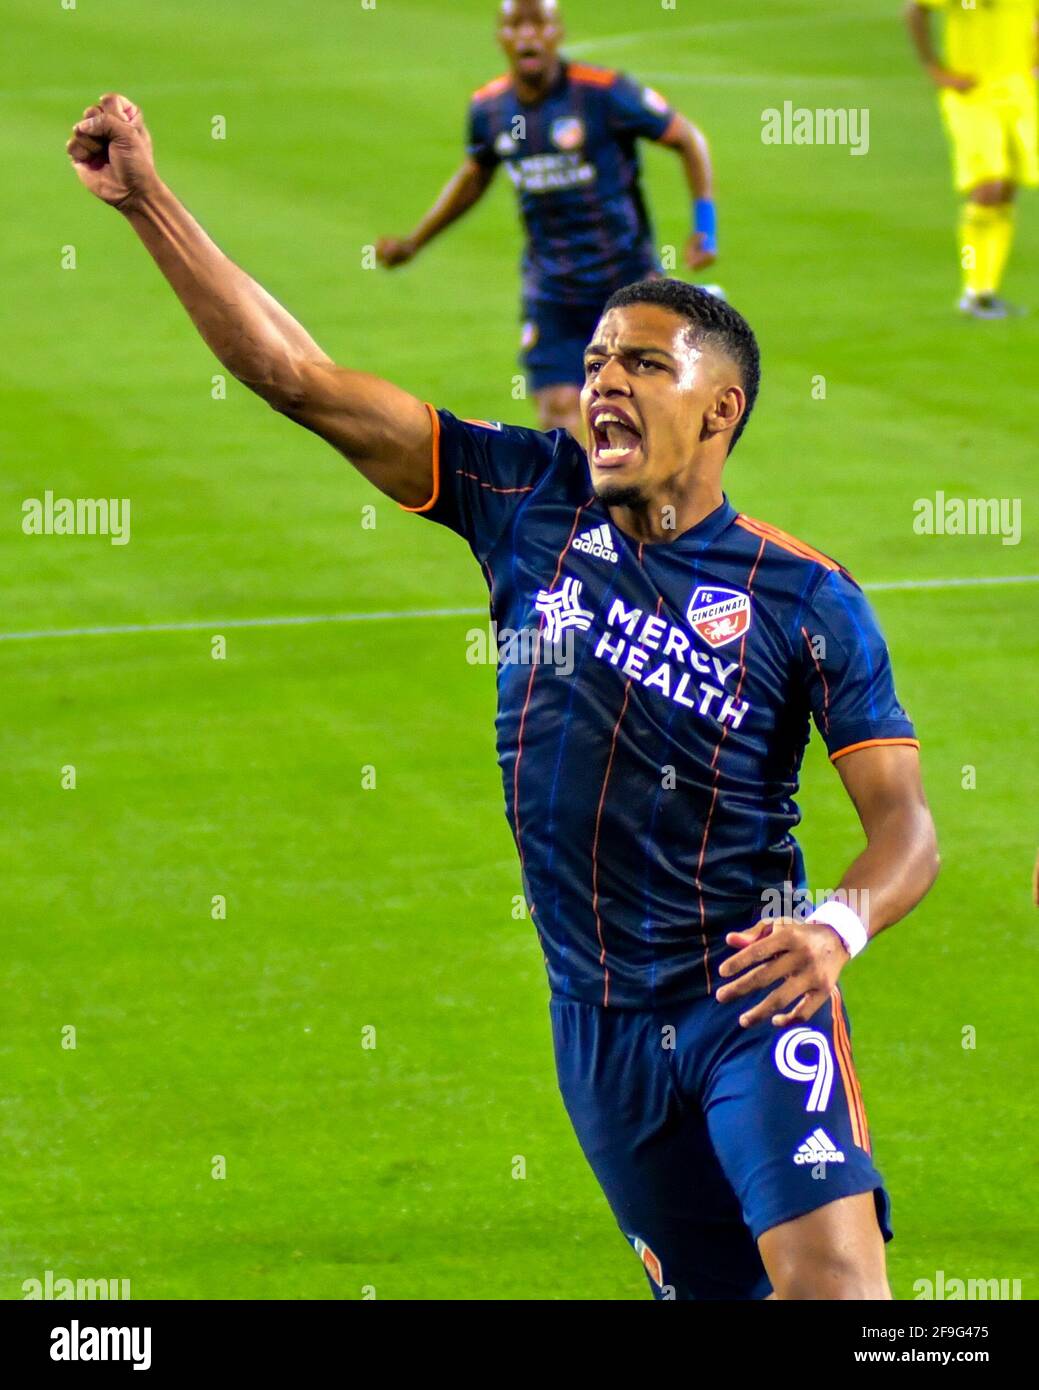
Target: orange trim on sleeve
{"type": "Point", "coordinates": [435, 418]}
{"type": "Point", "coordinates": [492, 88]}
{"type": "Point", "coordinates": [592, 77]}
{"type": "Point", "coordinates": [873, 743]}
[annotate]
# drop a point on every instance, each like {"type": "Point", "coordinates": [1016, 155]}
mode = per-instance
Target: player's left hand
{"type": "Point", "coordinates": [802, 959]}
{"type": "Point", "coordinates": [696, 258]}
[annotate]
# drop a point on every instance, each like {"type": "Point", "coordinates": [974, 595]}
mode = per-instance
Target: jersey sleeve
{"type": "Point", "coordinates": [479, 144]}
{"type": "Point", "coordinates": [847, 670]}
{"type": "Point", "coordinates": [483, 471]}
{"type": "Point", "coordinates": [636, 110]}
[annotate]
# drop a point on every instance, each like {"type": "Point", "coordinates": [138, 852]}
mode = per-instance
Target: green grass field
{"type": "Point", "coordinates": [391, 1167]}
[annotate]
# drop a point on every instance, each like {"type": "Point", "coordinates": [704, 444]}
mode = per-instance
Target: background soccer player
{"type": "Point", "coordinates": [567, 133]}
{"type": "Point", "coordinates": [651, 791]}
{"type": "Point", "coordinates": [988, 102]}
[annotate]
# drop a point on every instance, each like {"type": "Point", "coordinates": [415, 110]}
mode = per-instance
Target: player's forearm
{"type": "Point", "coordinates": [459, 194]}
{"type": "Point", "coordinates": [691, 145]}
{"type": "Point", "coordinates": [896, 869]}
{"type": "Point", "coordinates": [257, 340]}
{"type": "Point", "coordinates": [918, 22]}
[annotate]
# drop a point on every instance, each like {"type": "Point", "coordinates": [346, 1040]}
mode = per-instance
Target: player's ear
{"type": "Point", "coordinates": [726, 411]}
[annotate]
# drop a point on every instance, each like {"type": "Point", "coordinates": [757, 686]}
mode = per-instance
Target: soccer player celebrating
{"type": "Point", "coordinates": [701, 1042]}
{"type": "Point", "coordinates": [987, 93]}
{"type": "Point", "coordinates": [567, 133]}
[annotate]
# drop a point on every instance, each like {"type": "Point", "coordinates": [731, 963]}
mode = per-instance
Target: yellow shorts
{"type": "Point", "coordinates": [994, 132]}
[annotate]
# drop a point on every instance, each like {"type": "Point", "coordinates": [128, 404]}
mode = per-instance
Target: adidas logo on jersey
{"type": "Point", "coordinates": [818, 1148]}
{"type": "Point", "coordinates": [598, 543]}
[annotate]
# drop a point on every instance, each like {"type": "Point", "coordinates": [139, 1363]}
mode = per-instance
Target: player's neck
{"type": "Point", "coordinates": [669, 515]}
{"type": "Point", "coordinates": [531, 92]}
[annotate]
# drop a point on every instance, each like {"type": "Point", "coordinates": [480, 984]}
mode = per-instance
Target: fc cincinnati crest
{"type": "Point", "coordinates": [568, 133]}
{"type": "Point", "coordinates": [717, 615]}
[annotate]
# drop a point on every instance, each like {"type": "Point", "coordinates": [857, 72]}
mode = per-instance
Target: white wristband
{"type": "Point", "coordinates": [845, 922]}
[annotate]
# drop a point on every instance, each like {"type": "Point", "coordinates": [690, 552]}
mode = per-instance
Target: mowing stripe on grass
{"type": "Point", "coordinates": [403, 614]}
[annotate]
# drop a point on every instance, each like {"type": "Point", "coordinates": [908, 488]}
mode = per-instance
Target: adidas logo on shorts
{"type": "Point", "coordinates": [818, 1148]}
{"type": "Point", "coordinates": [598, 543]}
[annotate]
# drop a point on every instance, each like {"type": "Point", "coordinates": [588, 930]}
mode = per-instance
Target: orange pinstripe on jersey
{"type": "Point", "coordinates": [826, 688]}
{"type": "Point", "coordinates": [530, 690]}
{"type": "Point", "coordinates": [489, 487]}
{"type": "Point", "coordinates": [595, 848]}
{"type": "Point", "coordinates": [714, 790]}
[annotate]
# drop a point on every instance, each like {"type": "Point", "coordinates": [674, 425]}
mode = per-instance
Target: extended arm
{"type": "Point", "coordinates": [690, 144]}
{"type": "Point", "coordinates": [465, 188]}
{"type": "Point", "coordinates": [900, 862]}
{"type": "Point", "coordinates": [383, 430]}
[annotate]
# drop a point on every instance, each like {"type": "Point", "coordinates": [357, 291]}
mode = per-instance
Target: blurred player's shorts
{"type": "Point", "coordinates": [553, 341]}
{"type": "Point", "coordinates": [993, 130]}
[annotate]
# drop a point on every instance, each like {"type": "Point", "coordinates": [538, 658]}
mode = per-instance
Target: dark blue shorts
{"type": "Point", "coordinates": [703, 1135]}
{"type": "Point", "coordinates": [553, 342]}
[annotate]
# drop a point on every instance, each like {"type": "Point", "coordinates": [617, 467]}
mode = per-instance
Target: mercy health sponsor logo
{"type": "Point", "coordinates": [718, 615]}
{"type": "Point", "coordinates": [546, 173]}
{"type": "Point", "coordinates": [653, 652]}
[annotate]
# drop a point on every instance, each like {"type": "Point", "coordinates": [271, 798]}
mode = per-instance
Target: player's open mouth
{"type": "Point", "coordinates": [615, 438]}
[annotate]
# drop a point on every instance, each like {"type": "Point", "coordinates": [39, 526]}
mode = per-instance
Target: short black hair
{"type": "Point", "coordinates": [713, 321]}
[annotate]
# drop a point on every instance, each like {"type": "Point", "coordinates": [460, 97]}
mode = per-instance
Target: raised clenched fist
{"type": "Point", "coordinates": [111, 151]}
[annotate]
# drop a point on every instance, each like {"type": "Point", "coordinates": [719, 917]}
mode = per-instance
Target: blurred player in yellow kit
{"type": "Point", "coordinates": [988, 102]}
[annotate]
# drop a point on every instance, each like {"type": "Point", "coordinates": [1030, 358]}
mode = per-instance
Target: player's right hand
{"type": "Point", "coordinates": [111, 151]}
{"type": "Point", "coordinates": [392, 251]}
{"type": "Point", "coordinates": [957, 81]}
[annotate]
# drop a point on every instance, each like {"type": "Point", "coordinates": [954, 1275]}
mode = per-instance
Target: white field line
{"type": "Point", "coordinates": [719, 26]}
{"type": "Point", "coordinates": [218, 625]}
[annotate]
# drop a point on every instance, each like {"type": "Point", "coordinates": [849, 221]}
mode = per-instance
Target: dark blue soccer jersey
{"type": "Point", "coordinates": [650, 739]}
{"type": "Point", "coordinates": [573, 161]}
